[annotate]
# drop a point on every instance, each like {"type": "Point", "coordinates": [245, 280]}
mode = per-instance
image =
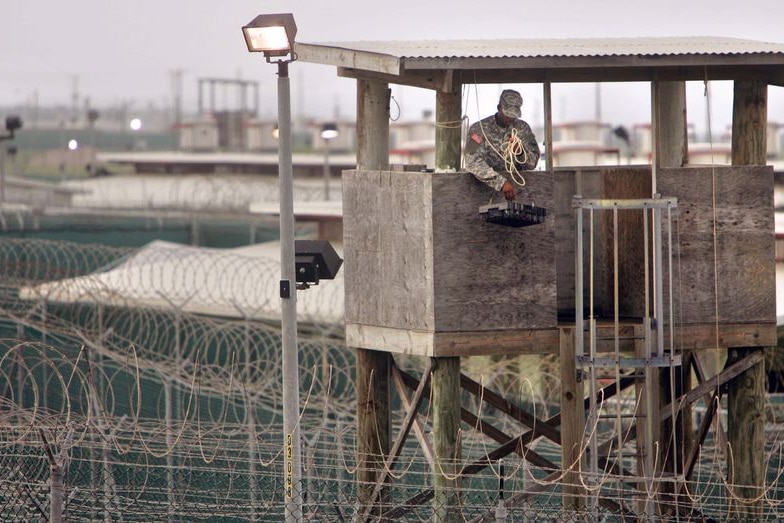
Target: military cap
{"type": "Point", "coordinates": [510, 103]}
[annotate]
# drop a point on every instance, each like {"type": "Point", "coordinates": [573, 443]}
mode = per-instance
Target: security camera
{"type": "Point", "coordinates": [315, 260]}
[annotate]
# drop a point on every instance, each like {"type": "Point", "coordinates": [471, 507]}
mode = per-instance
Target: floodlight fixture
{"type": "Point", "coordinates": [12, 123]}
{"type": "Point", "coordinates": [271, 34]}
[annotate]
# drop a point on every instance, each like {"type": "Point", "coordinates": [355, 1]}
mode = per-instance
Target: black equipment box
{"type": "Point", "coordinates": [512, 214]}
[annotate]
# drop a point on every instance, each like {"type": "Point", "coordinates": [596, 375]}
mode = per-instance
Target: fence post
{"type": "Point", "coordinates": [56, 488]}
{"type": "Point", "coordinates": [56, 494]}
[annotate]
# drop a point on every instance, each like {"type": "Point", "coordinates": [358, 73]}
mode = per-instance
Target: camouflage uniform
{"type": "Point", "coordinates": [485, 162]}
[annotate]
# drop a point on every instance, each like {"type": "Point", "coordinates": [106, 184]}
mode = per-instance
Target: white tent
{"type": "Point", "coordinates": [233, 283]}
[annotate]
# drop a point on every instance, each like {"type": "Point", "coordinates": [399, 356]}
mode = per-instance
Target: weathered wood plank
{"type": "Point", "coordinates": [593, 182]}
{"type": "Point", "coordinates": [744, 249]}
{"type": "Point", "coordinates": [415, 240]}
{"type": "Point", "coordinates": [513, 341]}
{"type": "Point", "coordinates": [464, 285]}
{"type": "Point", "coordinates": [487, 276]}
{"type": "Point", "coordinates": [699, 337]}
{"type": "Point", "coordinates": [622, 183]}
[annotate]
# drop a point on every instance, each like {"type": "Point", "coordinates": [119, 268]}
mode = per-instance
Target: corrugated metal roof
{"type": "Point", "coordinates": [562, 47]}
{"type": "Point", "coordinates": [423, 63]}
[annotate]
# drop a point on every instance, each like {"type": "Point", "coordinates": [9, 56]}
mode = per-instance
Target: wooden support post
{"type": "Point", "coordinates": [373, 426]}
{"type": "Point", "coordinates": [449, 109]}
{"type": "Point", "coordinates": [749, 123]}
{"type": "Point", "coordinates": [672, 150]}
{"type": "Point", "coordinates": [746, 437]}
{"type": "Point", "coordinates": [373, 367]}
{"type": "Point", "coordinates": [648, 428]}
{"type": "Point", "coordinates": [548, 128]}
{"type": "Point", "coordinates": [446, 440]}
{"type": "Point", "coordinates": [372, 125]}
{"type": "Point", "coordinates": [746, 394]}
{"type": "Point", "coordinates": [671, 142]}
{"type": "Point", "coordinates": [572, 424]}
{"type": "Point", "coordinates": [446, 376]}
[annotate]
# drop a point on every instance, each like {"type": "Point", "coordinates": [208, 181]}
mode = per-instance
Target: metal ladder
{"type": "Point", "coordinates": [615, 364]}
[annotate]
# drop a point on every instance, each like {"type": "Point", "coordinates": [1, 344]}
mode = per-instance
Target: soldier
{"type": "Point", "coordinates": [500, 146]}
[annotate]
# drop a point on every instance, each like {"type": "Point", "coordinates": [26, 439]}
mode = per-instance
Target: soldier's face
{"type": "Point", "coordinates": [504, 120]}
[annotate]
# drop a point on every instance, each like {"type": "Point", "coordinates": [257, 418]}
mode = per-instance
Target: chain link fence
{"type": "Point", "coordinates": [113, 412]}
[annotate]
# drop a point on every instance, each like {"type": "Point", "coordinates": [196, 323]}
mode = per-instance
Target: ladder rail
{"type": "Point", "coordinates": [651, 345]}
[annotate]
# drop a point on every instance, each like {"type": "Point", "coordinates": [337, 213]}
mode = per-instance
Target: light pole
{"type": "Point", "coordinates": [135, 125]}
{"type": "Point", "coordinates": [92, 116]}
{"type": "Point", "coordinates": [12, 124]}
{"type": "Point", "coordinates": [329, 131]}
{"type": "Point", "coordinates": [273, 35]}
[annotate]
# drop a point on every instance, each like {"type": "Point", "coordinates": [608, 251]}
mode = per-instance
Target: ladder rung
{"type": "Point", "coordinates": [620, 338]}
{"type": "Point", "coordinates": [622, 416]}
{"type": "Point", "coordinates": [629, 455]}
{"type": "Point", "coordinates": [613, 376]}
{"type": "Point", "coordinates": [584, 361]}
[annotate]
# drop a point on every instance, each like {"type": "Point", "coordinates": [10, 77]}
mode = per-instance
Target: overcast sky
{"type": "Point", "coordinates": [128, 50]}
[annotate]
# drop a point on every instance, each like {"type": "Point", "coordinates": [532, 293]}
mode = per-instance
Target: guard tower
{"type": "Point", "coordinates": [637, 275]}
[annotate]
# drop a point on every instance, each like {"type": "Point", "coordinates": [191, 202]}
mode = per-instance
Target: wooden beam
{"type": "Point", "coordinates": [419, 430]}
{"type": "Point", "coordinates": [573, 425]}
{"type": "Point", "coordinates": [373, 425]}
{"type": "Point", "coordinates": [746, 395]}
{"type": "Point", "coordinates": [766, 74]}
{"type": "Point", "coordinates": [372, 125]}
{"type": "Point", "coordinates": [446, 371]}
{"type": "Point", "coordinates": [509, 443]}
{"type": "Point", "coordinates": [746, 461]}
{"type": "Point", "coordinates": [321, 54]}
{"type": "Point", "coordinates": [436, 81]}
{"type": "Point", "coordinates": [749, 123]}
{"type": "Point", "coordinates": [467, 343]}
{"type": "Point", "coordinates": [728, 374]}
{"type": "Point", "coordinates": [547, 93]}
{"type": "Point", "coordinates": [541, 486]}
{"type": "Point", "coordinates": [704, 336]}
{"type": "Point", "coordinates": [397, 446]}
{"type": "Point", "coordinates": [624, 64]}
{"type": "Point", "coordinates": [513, 445]}
{"type": "Point", "coordinates": [670, 114]}
{"type": "Point", "coordinates": [449, 112]}
{"type": "Point", "coordinates": [540, 427]}
{"type": "Point", "coordinates": [446, 440]}
{"type": "Point", "coordinates": [702, 432]}
{"type": "Point", "coordinates": [372, 379]}
{"type": "Point", "coordinates": [499, 436]}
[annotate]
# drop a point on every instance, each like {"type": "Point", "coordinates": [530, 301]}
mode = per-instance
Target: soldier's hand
{"type": "Point", "coordinates": [508, 190]}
